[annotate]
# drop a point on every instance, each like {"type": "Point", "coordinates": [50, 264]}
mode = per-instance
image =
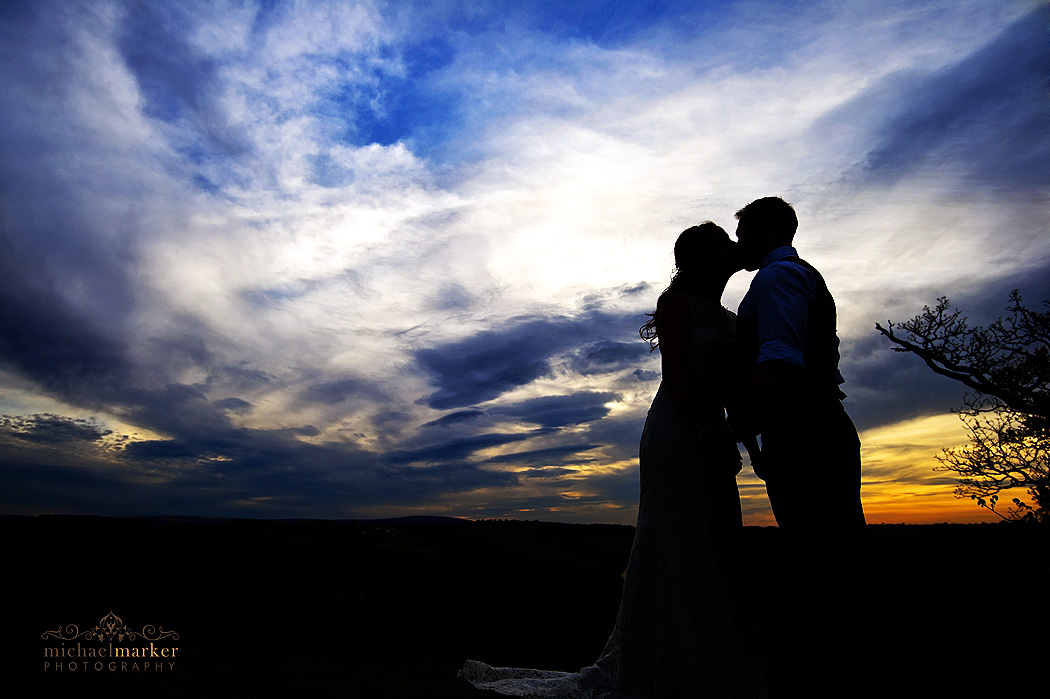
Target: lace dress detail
{"type": "Point", "coordinates": [674, 635]}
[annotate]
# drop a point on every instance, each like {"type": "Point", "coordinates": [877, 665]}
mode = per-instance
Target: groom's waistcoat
{"type": "Point", "coordinates": [821, 352]}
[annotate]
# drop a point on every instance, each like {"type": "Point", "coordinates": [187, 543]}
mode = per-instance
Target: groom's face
{"type": "Point", "coordinates": [751, 245]}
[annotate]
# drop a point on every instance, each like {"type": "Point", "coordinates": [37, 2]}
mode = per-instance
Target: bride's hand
{"type": "Point", "coordinates": [713, 438]}
{"type": "Point", "coordinates": [721, 445]}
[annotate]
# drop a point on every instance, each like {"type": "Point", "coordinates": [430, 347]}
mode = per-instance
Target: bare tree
{"type": "Point", "coordinates": [1007, 366]}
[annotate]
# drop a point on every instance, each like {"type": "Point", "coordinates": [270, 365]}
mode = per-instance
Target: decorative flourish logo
{"type": "Point", "coordinates": [113, 647]}
{"type": "Point", "coordinates": [108, 628]}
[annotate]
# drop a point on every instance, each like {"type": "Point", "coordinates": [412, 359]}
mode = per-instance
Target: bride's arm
{"type": "Point", "coordinates": [672, 321]}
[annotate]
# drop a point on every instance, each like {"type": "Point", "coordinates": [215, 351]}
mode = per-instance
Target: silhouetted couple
{"type": "Point", "coordinates": [771, 371]}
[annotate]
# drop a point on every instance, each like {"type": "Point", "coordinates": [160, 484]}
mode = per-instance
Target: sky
{"type": "Point", "coordinates": [359, 260]}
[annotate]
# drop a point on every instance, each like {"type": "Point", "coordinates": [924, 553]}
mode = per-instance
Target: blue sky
{"type": "Point", "coordinates": [336, 259]}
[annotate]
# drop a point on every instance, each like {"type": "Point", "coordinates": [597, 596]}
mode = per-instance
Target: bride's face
{"type": "Point", "coordinates": [707, 253]}
{"type": "Point", "coordinates": [726, 258]}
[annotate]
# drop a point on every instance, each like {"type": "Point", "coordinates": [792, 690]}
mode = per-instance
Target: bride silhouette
{"type": "Point", "coordinates": [675, 633]}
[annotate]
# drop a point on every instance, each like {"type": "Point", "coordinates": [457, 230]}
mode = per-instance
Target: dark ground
{"type": "Point", "coordinates": [374, 609]}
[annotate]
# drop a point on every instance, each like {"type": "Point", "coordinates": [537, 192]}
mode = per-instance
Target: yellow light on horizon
{"type": "Point", "coordinates": [900, 483]}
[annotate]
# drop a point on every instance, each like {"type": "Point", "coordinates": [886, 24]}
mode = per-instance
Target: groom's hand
{"type": "Point", "coordinates": [771, 395]}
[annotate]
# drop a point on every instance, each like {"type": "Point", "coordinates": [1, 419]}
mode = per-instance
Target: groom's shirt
{"type": "Point", "coordinates": [778, 308]}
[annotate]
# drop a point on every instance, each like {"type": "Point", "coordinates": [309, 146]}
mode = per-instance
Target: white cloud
{"type": "Point", "coordinates": [299, 254]}
{"type": "Point", "coordinates": [581, 186]}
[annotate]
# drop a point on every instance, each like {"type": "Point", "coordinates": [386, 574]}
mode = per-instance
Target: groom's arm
{"type": "Point", "coordinates": [780, 296]}
{"type": "Point", "coordinates": [782, 293]}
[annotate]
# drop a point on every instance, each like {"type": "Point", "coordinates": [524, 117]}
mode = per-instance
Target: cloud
{"type": "Point", "coordinates": [233, 404]}
{"type": "Point", "coordinates": [490, 363]}
{"type": "Point", "coordinates": [981, 114]}
{"type": "Point", "coordinates": [554, 472]}
{"type": "Point", "coordinates": [607, 356]}
{"type": "Point", "coordinates": [239, 378]}
{"type": "Point", "coordinates": [887, 387]}
{"type": "Point", "coordinates": [558, 411]}
{"type": "Point", "coordinates": [52, 428]}
{"type": "Point", "coordinates": [556, 454]}
{"type": "Point", "coordinates": [458, 417]}
{"type": "Point", "coordinates": [458, 449]}
{"type": "Point", "coordinates": [337, 391]}
{"type": "Point", "coordinates": [45, 339]}
{"type": "Point", "coordinates": [162, 449]}
{"type": "Point", "coordinates": [328, 258]}
{"type": "Point", "coordinates": [643, 375]}
{"type": "Point", "coordinates": [487, 364]}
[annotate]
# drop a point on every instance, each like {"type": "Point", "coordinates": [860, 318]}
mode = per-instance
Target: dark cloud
{"type": "Point", "coordinates": [596, 300]}
{"type": "Point", "coordinates": [988, 301]}
{"type": "Point", "coordinates": [65, 231]}
{"type": "Point", "coordinates": [239, 378]}
{"type": "Point", "coordinates": [558, 411]}
{"type": "Point", "coordinates": [617, 487]}
{"type": "Point", "coordinates": [45, 339]}
{"type": "Point", "coordinates": [176, 409]}
{"type": "Point", "coordinates": [456, 418]}
{"type": "Point", "coordinates": [552, 472]}
{"type": "Point", "coordinates": [458, 449]}
{"type": "Point", "coordinates": [635, 289]}
{"type": "Point", "coordinates": [234, 405]}
{"type": "Point", "coordinates": [70, 280]}
{"type": "Point", "coordinates": [986, 114]}
{"type": "Point", "coordinates": [618, 434]}
{"type": "Point", "coordinates": [608, 356]}
{"type": "Point", "coordinates": [244, 472]}
{"type": "Point", "coordinates": [453, 297]}
{"type": "Point", "coordinates": [310, 492]}
{"type": "Point", "coordinates": [71, 293]}
{"type": "Point", "coordinates": [454, 476]}
{"type": "Point", "coordinates": [79, 203]}
{"type": "Point", "coordinates": [884, 387]}
{"type": "Point", "coordinates": [178, 83]}
{"type": "Point", "coordinates": [162, 449]}
{"type": "Point", "coordinates": [48, 428]}
{"type": "Point", "coordinates": [277, 296]}
{"type": "Point", "coordinates": [184, 345]}
{"type": "Point", "coordinates": [557, 454]}
{"type": "Point", "coordinates": [486, 365]}
{"type": "Point", "coordinates": [887, 386]}
{"type": "Point", "coordinates": [336, 391]}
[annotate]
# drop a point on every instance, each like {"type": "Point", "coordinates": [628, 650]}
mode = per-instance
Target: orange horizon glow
{"type": "Point", "coordinates": [900, 482]}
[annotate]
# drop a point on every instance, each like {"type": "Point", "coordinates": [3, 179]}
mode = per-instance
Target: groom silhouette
{"type": "Point", "coordinates": [810, 451]}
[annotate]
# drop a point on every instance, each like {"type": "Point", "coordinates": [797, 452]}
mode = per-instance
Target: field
{"type": "Point", "coordinates": [393, 608]}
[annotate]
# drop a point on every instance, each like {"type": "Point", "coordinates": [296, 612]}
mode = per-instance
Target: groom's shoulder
{"type": "Point", "coordinates": [786, 269]}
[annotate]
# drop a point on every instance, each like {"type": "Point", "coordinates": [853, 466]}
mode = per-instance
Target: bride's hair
{"type": "Point", "coordinates": [695, 246]}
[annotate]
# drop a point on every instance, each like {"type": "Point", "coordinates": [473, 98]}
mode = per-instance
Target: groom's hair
{"type": "Point", "coordinates": [772, 214]}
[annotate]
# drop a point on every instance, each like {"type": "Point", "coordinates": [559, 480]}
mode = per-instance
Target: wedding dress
{"type": "Point", "coordinates": [675, 634]}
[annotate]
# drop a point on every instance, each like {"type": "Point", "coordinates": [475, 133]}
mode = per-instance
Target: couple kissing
{"type": "Point", "coordinates": [766, 377]}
